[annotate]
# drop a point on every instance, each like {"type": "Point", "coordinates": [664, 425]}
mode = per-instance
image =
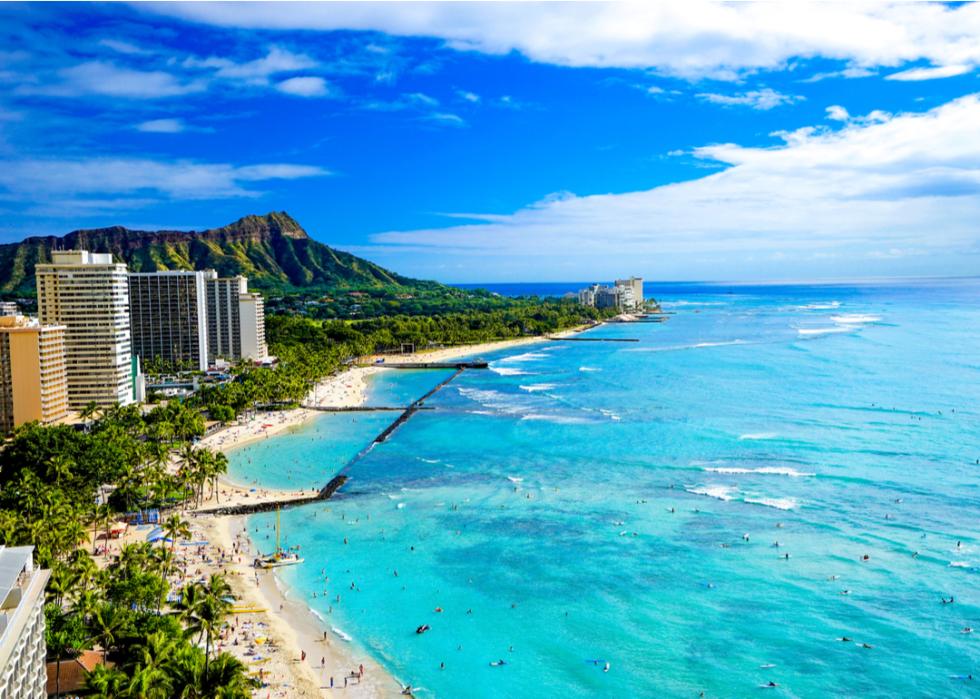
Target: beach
{"type": "Point", "coordinates": [279, 616]}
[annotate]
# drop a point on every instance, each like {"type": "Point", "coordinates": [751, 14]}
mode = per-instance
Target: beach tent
{"type": "Point", "coordinates": [156, 534]}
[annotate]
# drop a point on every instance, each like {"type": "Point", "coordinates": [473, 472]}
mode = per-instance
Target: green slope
{"type": "Point", "coordinates": [273, 251]}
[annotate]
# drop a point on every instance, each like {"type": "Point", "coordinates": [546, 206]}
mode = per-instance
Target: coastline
{"type": "Point", "coordinates": [289, 622]}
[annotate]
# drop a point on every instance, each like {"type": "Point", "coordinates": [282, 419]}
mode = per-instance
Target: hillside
{"type": "Point", "coordinates": [273, 251]}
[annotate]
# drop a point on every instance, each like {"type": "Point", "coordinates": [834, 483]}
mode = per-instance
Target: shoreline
{"type": "Point", "coordinates": [289, 621]}
{"type": "Point", "coordinates": [296, 628]}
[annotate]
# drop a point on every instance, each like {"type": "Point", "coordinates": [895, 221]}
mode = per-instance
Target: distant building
{"type": "Point", "coordinates": [168, 317]}
{"type": "Point", "coordinates": [635, 285]}
{"type": "Point", "coordinates": [88, 293]}
{"type": "Point", "coordinates": [22, 648]}
{"type": "Point", "coordinates": [236, 320]}
{"type": "Point", "coordinates": [625, 296]}
{"type": "Point", "coordinates": [586, 296]}
{"type": "Point", "coordinates": [609, 297]}
{"type": "Point", "coordinates": [33, 373]}
{"type": "Point", "coordinates": [8, 308]}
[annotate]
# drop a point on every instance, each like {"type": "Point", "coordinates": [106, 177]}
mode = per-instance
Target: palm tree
{"type": "Point", "coordinates": [103, 518]}
{"type": "Point", "coordinates": [175, 527]}
{"type": "Point", "coordinates": [226, 678]}
{"type": "Point", "coordinates": [219, 467]}
{"type": "Point", "coordinates": [61, 582]}
{"type": "Point", "coordinates": [106, 682]}
{"type": "Point", "coordinates": [107, 621]}
{"type": "Point", "coordinates": [154, 655]}
{"type": "Point", "coordinates": [89, 411]}
{"type": "Point", "coordinates": [58, 468]}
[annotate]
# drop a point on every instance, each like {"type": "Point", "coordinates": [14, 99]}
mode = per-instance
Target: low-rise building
{"type": "Point", "coordinates": [33, 373]}
{"type": "Point", "coordinates": [22, 648]}
{"type": "Point", "coordinates": [8, 308]}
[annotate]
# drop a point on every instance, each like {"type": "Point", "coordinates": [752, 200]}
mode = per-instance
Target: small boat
{"type": "Point", "coordinates": [281, 557]}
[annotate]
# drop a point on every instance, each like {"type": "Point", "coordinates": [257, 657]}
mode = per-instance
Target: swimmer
{"type": "Point", "coordinates": [967, 629]}
{"type": "Point", "coordinates": [844, 639]}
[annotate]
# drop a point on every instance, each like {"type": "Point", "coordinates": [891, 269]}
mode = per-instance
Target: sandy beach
{"type": "Point", "coordinates": [286, 626]}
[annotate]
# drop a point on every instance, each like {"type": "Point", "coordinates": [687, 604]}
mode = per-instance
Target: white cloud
{"type": "Point", "coordinates": [763, 99]}
{"type": "Point", "coordinates": [445, 118]}
{"type": "Point", "coordinates": [468, 96]}
{"type": "Point", "coordinates": [835, 112]}
{"type": "Point", "coordinates": [693, 39]}
{"type": "Point", "coordinates": [305, 86]}
{"type": "Point", "coordinates": [113, 177]}
{"type": "Point", "coordinates": [123, 47]}
{"type": "Point", "coordinates": [258, 71]}
{"type": "Point", "coordinates": [930, 73]}
{"type": "Point", "coordinates": [110, 80]}
{"type": "Point", "coordinates": [162, 126]}
{"type": "Point", "coordinates": [832, 202]}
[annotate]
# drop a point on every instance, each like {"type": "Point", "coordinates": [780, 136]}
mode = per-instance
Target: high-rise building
{"type": "Point", "coordinates": [635, 284]}
{"type": "Point", "coordinates": [168, 318]}
{"type": "Point", "coordinates": [89, 294]}
{"type": "Point", "coordinates": [33, 376]}
{"type": "Point", "coordinates": [251, 314]}
{"type": "Point", "coordinates": [22, 646]}
{"type": "Point", "coordinates": [224, 316]}
{"type": "Point", "coordinates": [609, 297]}
{"type": "Point", "coordinates": [236, 320]}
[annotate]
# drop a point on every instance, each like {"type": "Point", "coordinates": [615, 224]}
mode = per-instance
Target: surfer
{"type": "Point", "coordinates": [606, 668]}
{"type": "Point", "coordinates": [497, 663]}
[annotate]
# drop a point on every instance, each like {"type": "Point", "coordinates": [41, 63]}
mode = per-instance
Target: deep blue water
{"type": "Point", "coordinates": [622, 502]}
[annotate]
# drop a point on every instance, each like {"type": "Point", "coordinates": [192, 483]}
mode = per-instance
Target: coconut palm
{"type": "Point", "coordinates": [107, 622]}
{"type": "Point", "coordinates": [106, 682]}
{"type": "Point", "coordinates": [175, 527]}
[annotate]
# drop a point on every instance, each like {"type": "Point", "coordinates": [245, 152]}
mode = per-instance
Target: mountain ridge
{"type": "Point", "coordinates": [272, 250]}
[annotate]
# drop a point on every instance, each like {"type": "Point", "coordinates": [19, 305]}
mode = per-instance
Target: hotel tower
{"type": "Point", "coordinates": [88, 294]}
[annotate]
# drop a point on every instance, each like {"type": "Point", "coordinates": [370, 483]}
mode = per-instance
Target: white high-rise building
{"type": "Point", "coordinates": [635, 285]}
{"type": "Point", "coordinates": [88, 293]}
{"type": "Point", "coordinates": [236, 320]}
{"type": "Point", "coordinates": [251, 315]}
{"type": "Point", "coordinates": [22, 648]}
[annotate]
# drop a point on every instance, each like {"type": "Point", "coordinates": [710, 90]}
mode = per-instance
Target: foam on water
{"type": "Point", "coordinates": [856, 318]}
{"type": "Point", "coordinates": [534, 387]}
{"type": "Point", "coordinates": [755, 436]}
{"type": "Point", "coordinates": [765, 470]}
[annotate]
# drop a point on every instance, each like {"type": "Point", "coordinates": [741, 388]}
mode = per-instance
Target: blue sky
{"type": "Point", "coordinates": [521, 141]}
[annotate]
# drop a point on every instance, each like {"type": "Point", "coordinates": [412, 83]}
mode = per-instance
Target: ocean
{"type": "Point", "coordinates": [709, 509]}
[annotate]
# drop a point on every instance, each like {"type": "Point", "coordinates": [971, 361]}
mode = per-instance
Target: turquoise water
{"type": "Point", "coordinates": [589, 501]}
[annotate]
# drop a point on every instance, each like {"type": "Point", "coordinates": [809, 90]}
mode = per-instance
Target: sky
{"type": "Point", "coordinates": [495, 142]}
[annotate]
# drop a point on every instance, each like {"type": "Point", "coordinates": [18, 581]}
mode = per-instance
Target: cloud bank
{"type": "Point", "coordinates": [880, 188]}
{"type": "Point", "coordinates": [694, 39]}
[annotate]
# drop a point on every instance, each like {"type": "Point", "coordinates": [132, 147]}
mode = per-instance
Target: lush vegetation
{"type": "Point", "coordinates": [50, 482]}
{"type": "Point", "coordinates": [310, 349]}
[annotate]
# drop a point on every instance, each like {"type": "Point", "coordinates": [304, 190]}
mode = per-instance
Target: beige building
{"type": "Point", "coordinates": [22, 648]}
{"type": "Point", "coordinates": [88, 293]}
{"type": "Point", "coordinates": [635, 285]}
{"type": "Point", "coordinates": [33, 375]}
